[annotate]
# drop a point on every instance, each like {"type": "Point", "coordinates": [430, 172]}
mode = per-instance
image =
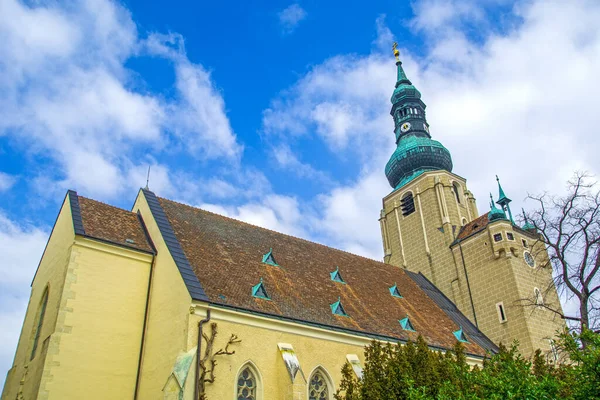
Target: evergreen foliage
{"type": "Point", "coordinates": [415, 372]}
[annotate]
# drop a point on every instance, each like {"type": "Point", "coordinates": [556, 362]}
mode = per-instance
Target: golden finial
{"type": "Point", "coordinates": [396, 51]}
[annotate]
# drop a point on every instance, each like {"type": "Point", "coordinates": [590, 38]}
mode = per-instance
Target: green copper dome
{"type": "Point", "coordinates": [413, 156]}
{"type": "Point", "coordinates": [495, 213]}
{"type": "Point", "coordinates": [416, 152]}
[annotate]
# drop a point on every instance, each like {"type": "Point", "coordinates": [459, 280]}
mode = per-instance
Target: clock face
{"type": "Point", "coordinates": [425, 127]}
{"type": "Point", "coordinates": [405, 127]}
{"type": "Point", "coordinates": [529, 259]}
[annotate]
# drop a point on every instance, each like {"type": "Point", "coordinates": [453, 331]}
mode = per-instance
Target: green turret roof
{"type": "Point", "coordinates": [495, 213]}
{"type": "Point", "coordinates": [502, 199]}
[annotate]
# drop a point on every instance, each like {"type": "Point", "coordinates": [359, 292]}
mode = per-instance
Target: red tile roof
{"type": "Point", "coordinates": [478, 224]}
{"type": "Point", "coordinates": [226, 256]}
{"type": "Point", "coordinates": [112, 224]}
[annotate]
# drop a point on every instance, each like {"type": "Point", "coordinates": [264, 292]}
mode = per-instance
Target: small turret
{"type": "Point", "coordinates": [528, 226]}
{"type": "Point", "coordinates": [503, 200]}
{"type": "Point", "coordinates": [495, 213]}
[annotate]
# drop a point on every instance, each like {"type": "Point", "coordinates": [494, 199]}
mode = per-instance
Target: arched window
{"type": "Point", "coordinates": [464, 222]}
{"type": "Point", "coordinates": [456, 189]}
{"type": "Point", "coordinates": [248, 384]}
{"type": "Point", "coordinates": [407, 204]}
{"type": "Point", "coordinates": [40, 320]}
{"type": "Point", "coordinates": [319, 386]}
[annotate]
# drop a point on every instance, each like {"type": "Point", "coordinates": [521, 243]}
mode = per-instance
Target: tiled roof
{"type": "Point", "coordinates": [478, 224]}
{"type": "Point", "coordinates": [107, 223]}
{"type": "Point", "coordinates": [226, 255]}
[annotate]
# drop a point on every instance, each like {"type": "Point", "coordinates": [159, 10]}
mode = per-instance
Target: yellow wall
{"type": "Point", "coordinates": [51, 273]}
{"type": "Point", "coordinates": [314, 347]}
{"type": "Point", "coordinates": [105, 297]}
{"type": "Point", "coordinates": [167, 332]}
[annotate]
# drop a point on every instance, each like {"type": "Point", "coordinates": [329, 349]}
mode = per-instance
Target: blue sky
{"type": "Point", "coordinates": [276, 113]}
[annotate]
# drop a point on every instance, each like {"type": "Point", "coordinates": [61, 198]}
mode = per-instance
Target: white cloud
{"type": "Point", "coordinates": [68, 97]}
{"type": "Point", "coordinates": [520, 104]}
{"type": "Point", "coordinates": [6, 181]}
{"type": "Point", "coordinates": [290, 17]}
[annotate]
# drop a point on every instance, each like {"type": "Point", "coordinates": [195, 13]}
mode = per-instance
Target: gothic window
{"type": "Point", "coordinates": [318, 388]}
{"type": "Point", "coordinates": [407, 204]}
{"type": "Point", "coordinates": [246, 385]}
{"type": "Point", "coordinates": [456, 190]}
{"type": "Point", "coordinates": [40, 321]}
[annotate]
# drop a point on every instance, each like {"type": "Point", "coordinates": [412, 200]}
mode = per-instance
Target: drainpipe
{"type": "Point", "coordinates": [202, 322]}
{"type": "Point", "coordinates": [144, 329]}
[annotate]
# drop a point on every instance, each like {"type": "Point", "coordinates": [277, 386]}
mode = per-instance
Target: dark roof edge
{"type": "Point", "coordinates": [76, 212]}
{"type": "Point", "coordinates": [117, 244]}
{"type": "Point", "coordinates": [166, 230]}
{"type": "Point", "coordinates": [465, 322]}
{"type": "Point", "coordinates": [355, 332]}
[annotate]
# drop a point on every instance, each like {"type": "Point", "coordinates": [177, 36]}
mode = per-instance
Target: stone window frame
{"type": "Point", "coordinates": [328, 381]}
{"type": "Point", "coordinates": [508, 236]}
{"type": "Point", "coordinates": [494, 235]}
{"type": "Point", "coordinates": [257, 375]}
{"type": "Point", "coordinates": [501, 311]}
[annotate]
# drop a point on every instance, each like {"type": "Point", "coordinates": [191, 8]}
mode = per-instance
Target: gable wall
{"type": "Point", "coordinates": [168, 318]}
{"type": "Point", "coordinates": [51, 272]}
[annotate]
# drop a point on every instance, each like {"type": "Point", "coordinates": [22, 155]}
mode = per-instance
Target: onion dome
{"type": "Point", "coordinates": [415, 151]}
{"type": "Point", "coordinates": [495, 213]}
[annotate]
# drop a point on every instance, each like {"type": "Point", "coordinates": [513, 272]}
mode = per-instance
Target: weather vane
{"type": "Point", "coordinates": [396, 51]}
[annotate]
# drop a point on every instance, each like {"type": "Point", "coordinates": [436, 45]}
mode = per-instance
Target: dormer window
{"type": "Point", "coordinates": [336, 276]}
{"type": "Point", "coordinates": [259, 291]}
{"type": "Point", "coordinates": [269, 258]}
{"type": "Point", "coordinates": [338, 309]}
{"type": "Point", "coordinates": [395, 292]}
{"type": "Point", "coordinates": [406, 324]}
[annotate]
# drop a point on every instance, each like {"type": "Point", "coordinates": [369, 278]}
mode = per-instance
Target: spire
{"type": "Point", "coordinates": [402, 78]}
{"type": "Point", "coordinates": [416, 152]}
{"type": "Point", "coordinates": [503, 200]}
{"type": "Point", "coordinates": [528, 225]}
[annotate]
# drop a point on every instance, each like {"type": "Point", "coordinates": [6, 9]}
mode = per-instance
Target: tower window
{"type": "Point", "coordinates": [497, 237]}
{"type": "Point", "coordinates": [501, 312]}
{"type": "Point", "coordinates": [510, 236]}
{"type": "Point", "coordinates": [524, 243]}
{"type": "Point", "coordinates": [456, 190]}
{"type": "Point", "coordinates": [407, 204]}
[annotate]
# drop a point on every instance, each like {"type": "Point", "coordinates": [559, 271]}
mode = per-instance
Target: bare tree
{"type": "Point", "coordinates": [569, 228]}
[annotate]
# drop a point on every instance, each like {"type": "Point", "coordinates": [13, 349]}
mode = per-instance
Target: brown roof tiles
{"type": "Point", "coordinates": [226, 255]}
{"type": "Point", "coordinates": [112, 224]}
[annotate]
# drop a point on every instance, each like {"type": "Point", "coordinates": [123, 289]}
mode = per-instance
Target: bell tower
{"type": "Point", "coordinates": [485, 264]}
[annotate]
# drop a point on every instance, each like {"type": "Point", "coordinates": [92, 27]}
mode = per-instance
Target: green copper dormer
{"type": "Point", "coordinates": [416, 152]}
{"type": "Point", "coordinates": [495, 213]}
{"type": "Point", "coordinates": [503, 201]}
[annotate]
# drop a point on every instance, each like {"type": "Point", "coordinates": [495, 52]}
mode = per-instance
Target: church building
{"type": "Point", "coordinates": [168, 301]}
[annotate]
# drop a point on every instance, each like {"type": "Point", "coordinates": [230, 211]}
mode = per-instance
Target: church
{"type": "Point", "coordinates": [168, 301]}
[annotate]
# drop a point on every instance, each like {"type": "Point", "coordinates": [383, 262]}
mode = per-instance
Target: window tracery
{"type": "Point", "coordinates": [246, 385]}
{"type": "Point", "coordinates": [318, 389]}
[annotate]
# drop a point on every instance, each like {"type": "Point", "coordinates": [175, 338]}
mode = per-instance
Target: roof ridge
{"type": "Point", "coordinates": [274, 231]}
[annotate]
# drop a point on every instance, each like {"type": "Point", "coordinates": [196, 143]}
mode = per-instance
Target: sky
{"type": "Point", "coordinates": [277, 112]}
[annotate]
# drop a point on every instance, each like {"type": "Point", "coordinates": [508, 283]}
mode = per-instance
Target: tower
{"type": "Point", "coordinates": [488, 266]}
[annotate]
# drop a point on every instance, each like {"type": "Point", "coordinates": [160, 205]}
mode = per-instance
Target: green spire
{"type": "Point", "coordinates": [528, 225]}
{"type": "Point", "coordinates": [503, 200]}
{"type": "Point", "coordinates": [402, 78]}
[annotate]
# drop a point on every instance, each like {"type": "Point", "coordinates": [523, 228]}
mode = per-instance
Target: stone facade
{"type": "Point", "coordinates": [477, 273]}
